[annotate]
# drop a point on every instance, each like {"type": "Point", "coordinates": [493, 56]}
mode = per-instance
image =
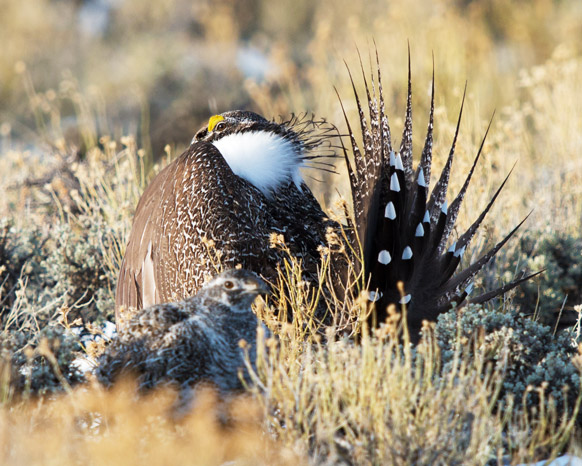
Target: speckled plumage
{"type": "Point", "coordinates": [400, 228]}
{"type": "Point", "coordinates": [191, 341]}
{"type": "Point", "coordinates": [199, 197]}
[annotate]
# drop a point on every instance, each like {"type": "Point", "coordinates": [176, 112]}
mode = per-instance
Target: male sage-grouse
{"type": "Point", "coordinates": [237, 183]}
{"type": "Point", "coordinates": [195, 340]}
{"type": "Point", "coordinates": [240, 181]}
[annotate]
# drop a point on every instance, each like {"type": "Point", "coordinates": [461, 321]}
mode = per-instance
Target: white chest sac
{"type": "Point", "coordinates": [264, 159]}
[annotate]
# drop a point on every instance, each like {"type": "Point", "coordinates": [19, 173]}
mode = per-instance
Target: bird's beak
{"type": "Point", "coordinates": [260, 287]}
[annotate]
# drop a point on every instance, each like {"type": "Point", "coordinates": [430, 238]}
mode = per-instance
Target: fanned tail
{"type": "Point", "coordinates": [403, 230]}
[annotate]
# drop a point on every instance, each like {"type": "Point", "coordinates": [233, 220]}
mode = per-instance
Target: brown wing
{"type": "Point", "coordinates": [194, 198]}
{"type": "Point", "coordinates": [133, 279]}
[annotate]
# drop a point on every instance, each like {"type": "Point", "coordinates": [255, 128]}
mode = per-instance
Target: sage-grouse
{"type": "Point", "coordinates": [191, 341]}
{"type": "Point", "coordinates": [240, 181]}
{"type": "Point", "coordinates": [237, 183]}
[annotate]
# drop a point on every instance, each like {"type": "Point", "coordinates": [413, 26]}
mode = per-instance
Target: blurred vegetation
{"type": "Point", "coordinates": [97, 95]}
{"type": "Point", "coordinates": [559, 288]}
{"type": "Point", "coordinates": [161, 68]}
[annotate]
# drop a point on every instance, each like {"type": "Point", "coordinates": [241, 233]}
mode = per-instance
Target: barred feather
{"type": "Point", "coordinates": [404, 230]}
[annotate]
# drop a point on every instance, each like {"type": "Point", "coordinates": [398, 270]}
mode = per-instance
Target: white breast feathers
{"type": "Point", "coordinates": [264, 159]}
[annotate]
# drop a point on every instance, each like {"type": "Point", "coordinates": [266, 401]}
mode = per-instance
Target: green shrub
{"type": "Point", "coordinates": [37, 362]}
{"type": "Point", "coordinates": [530, 354]}
{"type": "Point", "coordinates": [560, 285]}
{"type": "Point", "coordinates": [75, 271]}
{"type": "Point", "coordinates": [21, 254]}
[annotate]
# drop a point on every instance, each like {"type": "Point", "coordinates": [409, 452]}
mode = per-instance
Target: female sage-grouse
{"type": "Point", "coordinates": [195, 340]}
{"type": "Point", "coordinates": [240, 181]}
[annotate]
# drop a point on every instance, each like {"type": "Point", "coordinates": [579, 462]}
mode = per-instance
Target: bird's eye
{"type": "Point", "coordinates": [229, 285]}
{"type": "Point", "coordinates": [219, 126]}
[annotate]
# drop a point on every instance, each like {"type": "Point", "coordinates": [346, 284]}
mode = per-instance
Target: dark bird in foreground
{"type": "Point", "coordinates": [192, 341]}
{"type": "Point", "coordinates": [240, 181]}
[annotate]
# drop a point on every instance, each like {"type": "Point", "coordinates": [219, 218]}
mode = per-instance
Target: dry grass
{"type": "Point", "coordinates": [92, 426]}
{"type": "Point", "coordinates": [380, 403]}
{"type": "Point", "coordinates": [79, 140]}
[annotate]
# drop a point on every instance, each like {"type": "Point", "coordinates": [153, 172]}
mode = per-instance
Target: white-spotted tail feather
{"type": "Point", "coordinates": [402, 229]}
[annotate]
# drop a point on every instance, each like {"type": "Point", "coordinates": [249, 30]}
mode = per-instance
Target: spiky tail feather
{"type": "Point", "coordinates": [402, 231]}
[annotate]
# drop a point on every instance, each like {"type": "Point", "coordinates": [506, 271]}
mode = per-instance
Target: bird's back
{"type": "Point", "coordinates": [194, 212]}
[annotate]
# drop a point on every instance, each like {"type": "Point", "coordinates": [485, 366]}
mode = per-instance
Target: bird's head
{"type": "Point", "coordinates": [235, 289]}
{"type": "Point", "coordinates": [268, 154]}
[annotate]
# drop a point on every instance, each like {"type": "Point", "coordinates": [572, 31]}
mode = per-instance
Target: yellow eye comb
{"type": "Point", "coordinates": [213, 121]}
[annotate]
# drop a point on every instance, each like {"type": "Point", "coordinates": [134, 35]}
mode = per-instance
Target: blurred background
{"type": "Point", "coordinates": [159, 69]}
